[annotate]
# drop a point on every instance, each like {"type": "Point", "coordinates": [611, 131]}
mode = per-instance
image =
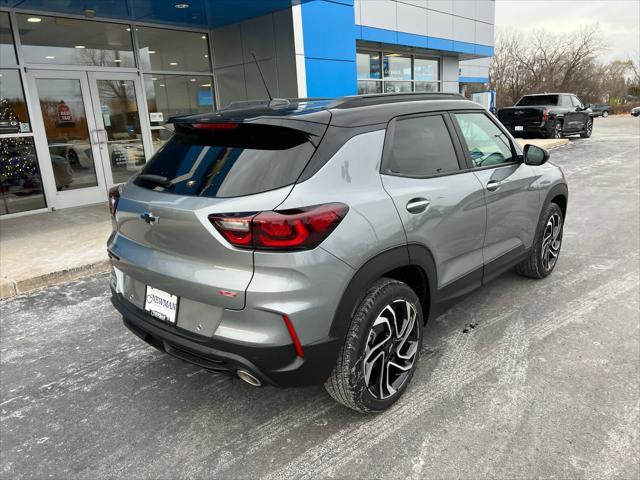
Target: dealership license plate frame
{"type": "Point", "coordinates": [156, 311]}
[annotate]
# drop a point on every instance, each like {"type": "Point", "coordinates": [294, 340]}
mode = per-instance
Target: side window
{"type": "Point", "coordinates": [567, 101]}
{"type": "Point", "coordinates": [576, 102]}
{"type": "Point", "coordinates": [487, 144]}
{"type": "Point", "coordinates": [422, 147]}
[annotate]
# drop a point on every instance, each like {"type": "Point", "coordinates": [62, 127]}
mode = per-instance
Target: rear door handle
{"type": "Point", "coordinates": [417, 205]}
{"type": "Point", "coordinates": [493, 185]}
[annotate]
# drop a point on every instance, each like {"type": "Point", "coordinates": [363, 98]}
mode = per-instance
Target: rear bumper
{"type": "Point", "coordinates": [274, 365]}
{"type": "Point", "coordinates": [542, 128]}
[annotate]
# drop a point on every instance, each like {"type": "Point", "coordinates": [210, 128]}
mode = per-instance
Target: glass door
{"type": "Point", "coordinates": [123, 131]}
{"type": "Point", "coordinates": [67, 135]}
{"type": "Point", "coordinates": [95, 130]}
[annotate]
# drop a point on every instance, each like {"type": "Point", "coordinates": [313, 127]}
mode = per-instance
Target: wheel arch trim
{"type": "Point", "coordinates": [560, 189]}
{"type": "Point", "coordinates": [372, 270]}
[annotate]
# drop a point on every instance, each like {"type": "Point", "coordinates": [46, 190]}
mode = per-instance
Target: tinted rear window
{"type": "Point", "coordinates": [229, 163]}
{"type": "Point", "coordinates": [538, 100]}
{"type": "Point", "coordinates": [422, 147]}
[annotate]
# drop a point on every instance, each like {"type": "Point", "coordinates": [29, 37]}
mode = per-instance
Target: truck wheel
{"type": "Point", "coordinates": [556, 131]}
{"type": "Point", "coordinates": [587, 129]}
{"type": "Point", "coordinates": [546, 246]}
{"type": "Point", "coordinates": [605, 114]}
{"type": "Point", "coordinates": [381, 349]}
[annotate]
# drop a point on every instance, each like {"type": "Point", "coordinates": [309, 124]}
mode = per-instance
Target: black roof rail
{"type": "Point", "coordinates": [266, 103]}
{"type": "Point", "coordinates": [383, 98]}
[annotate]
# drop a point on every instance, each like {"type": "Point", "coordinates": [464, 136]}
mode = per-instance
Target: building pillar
{"type": "Point", "coordinates": [325, 47]}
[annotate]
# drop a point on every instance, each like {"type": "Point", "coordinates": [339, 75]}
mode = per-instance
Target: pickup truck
{"type": "Point", "coordinates": [548, 115]}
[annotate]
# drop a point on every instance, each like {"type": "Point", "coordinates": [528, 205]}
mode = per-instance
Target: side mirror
{"type": "Point", "coordinates": [534, 155]}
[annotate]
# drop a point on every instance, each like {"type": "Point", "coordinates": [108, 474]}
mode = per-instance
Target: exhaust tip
{"type": "Point", "coordinates": [249, 378]}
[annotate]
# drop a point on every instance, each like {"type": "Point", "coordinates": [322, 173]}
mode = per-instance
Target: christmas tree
{"type": "Point", "coordinates": [16, 154]}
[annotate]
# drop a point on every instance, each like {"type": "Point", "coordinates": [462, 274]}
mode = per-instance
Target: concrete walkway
{"type": "Point", "coordinates": [47, 248]}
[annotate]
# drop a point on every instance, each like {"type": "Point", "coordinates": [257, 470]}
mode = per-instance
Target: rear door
{"type": "Point", "coordinates": [440, 202]}
{"type": "Point", "coordinates": [509, 185]}
{"type": "Point", "coordinates": [163, 236]}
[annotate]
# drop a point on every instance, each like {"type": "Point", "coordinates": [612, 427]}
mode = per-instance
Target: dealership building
{"type": "Point", "coordinates": [86, 86]}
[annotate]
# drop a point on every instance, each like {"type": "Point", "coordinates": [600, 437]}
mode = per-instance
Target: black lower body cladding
{"type": "Point", "coordinates": [277, 366]}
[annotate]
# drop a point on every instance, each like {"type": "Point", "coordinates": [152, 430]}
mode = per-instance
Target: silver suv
{"type": "Point", "coordinates": [299, 242]}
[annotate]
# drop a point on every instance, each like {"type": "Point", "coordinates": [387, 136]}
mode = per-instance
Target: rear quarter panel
{"type": "Point", "coordinates": [352, 176]}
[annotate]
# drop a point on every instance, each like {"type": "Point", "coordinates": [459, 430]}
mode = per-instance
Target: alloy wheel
{"type": "Point", "coordinates": [551, 241]}
{"type": "Point", "coordinates": [391, 349]}
{"type": "Point", "coordinates": [589, 127]}
{"type": "Point", "coordinates": [557, 130]}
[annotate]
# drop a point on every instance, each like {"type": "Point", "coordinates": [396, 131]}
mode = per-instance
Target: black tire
{"type": "Point", "coordinates": [588, 129]}
{"type": "Point", "coordinates": [556, 130]}
{"type": "Point", "coordinates": [348, 383]}
{"type": "Point", "coordinates": [537, 264]}
{"type": "Point", "coordinates": [605, 114]}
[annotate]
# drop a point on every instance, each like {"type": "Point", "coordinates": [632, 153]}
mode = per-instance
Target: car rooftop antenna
{"type": "Point", "coordinates": [262, 76]}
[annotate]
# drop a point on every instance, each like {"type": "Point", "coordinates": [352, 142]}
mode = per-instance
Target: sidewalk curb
{"type": "Point", "coordinates": [546, 143]}
{"type": "Point", "coordinates": [10, 288]}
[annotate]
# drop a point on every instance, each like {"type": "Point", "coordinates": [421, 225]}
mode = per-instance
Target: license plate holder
{"type": "Point", "coordinates": [518, 128]}
{"type": "Point", "coordinates": [161, 305]}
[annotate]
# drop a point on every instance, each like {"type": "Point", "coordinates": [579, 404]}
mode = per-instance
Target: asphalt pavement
{"type": "Point", "coordinates": [544, 383]}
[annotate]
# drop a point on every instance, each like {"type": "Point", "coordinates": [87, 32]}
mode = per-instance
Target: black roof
{"type": "Point", "coordinates": [351, 111]}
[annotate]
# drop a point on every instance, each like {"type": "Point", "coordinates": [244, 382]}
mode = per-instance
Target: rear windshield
{"type": "Point", "coordinates": [538, 100]}
{"type": "Point", "coordinates": [243, 160]}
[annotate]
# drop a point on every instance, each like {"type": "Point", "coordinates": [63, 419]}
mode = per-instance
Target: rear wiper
{"type": "Point", "coordinates": [157, 179]}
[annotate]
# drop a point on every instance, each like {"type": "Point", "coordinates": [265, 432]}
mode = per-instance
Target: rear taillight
{"type": "Point", "coordinates": [114, 198]}
{"type": "Point", "coordinates": [299, 229]}
{"type": "Point", "coordinates": [545, 115]}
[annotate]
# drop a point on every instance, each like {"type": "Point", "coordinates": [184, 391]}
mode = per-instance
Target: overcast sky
{"type": "Point", "coordinates": [619, 20]}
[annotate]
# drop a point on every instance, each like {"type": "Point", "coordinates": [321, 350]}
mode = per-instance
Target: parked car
{"type": "Point", "coordinates": [635, 111]}
{"type": "Point", "coordinates": [301, 242]}
{"type": "Point", "coordinates": [600, 110]}
{"type": "Point", "coordinates": [77, 151]}
{"type": "Point", "coordinates": [548, 115]}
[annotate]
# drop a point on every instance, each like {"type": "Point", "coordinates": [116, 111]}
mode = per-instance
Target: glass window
{"type": "Point", "coordinates": [121, 120]}
{"type": "Point", "coordinates": [426, 86]}
{"type": "Point", "coordinates": [65, 124]}
{"type": "Point", "coordinates": [398, 73]}
{"type": "Point", "coordinates": [167, 50]}
{"type": "Point", "coordinates": [172, 95]}
{"type": "Point", "coordinates": [538, 100]}
{"type": "Point", "coordinates": [426, 69]}
{"type": "Point", "coordinates": [397, 87]}
{"type": "Point", "coordinates": [14, 117]}
{"type": "Point", "coordinates": [243, 160]}
{"type": "Point", "coordinates": [487, 144]}
{"type": "Point", "coordinates": [368, 65]}
{"type": "Point", "coordinates": [20, 182]}
{"type": "Point", "coordinates": [422, 147]}
{"type": "Point", "coordinates": [576, 102]}
{"type": "Point", "coordinates": [366, 87]}
{"type": "Point", "coordinates": [68, 41]}
{"type": "Point", "coordinates": [7, 52]}
{"type": "Point", "coordinates": [397, 66]}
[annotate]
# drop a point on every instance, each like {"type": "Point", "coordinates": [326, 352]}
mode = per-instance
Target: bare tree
{"type": "Point", "coordinates": [544, 61]}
